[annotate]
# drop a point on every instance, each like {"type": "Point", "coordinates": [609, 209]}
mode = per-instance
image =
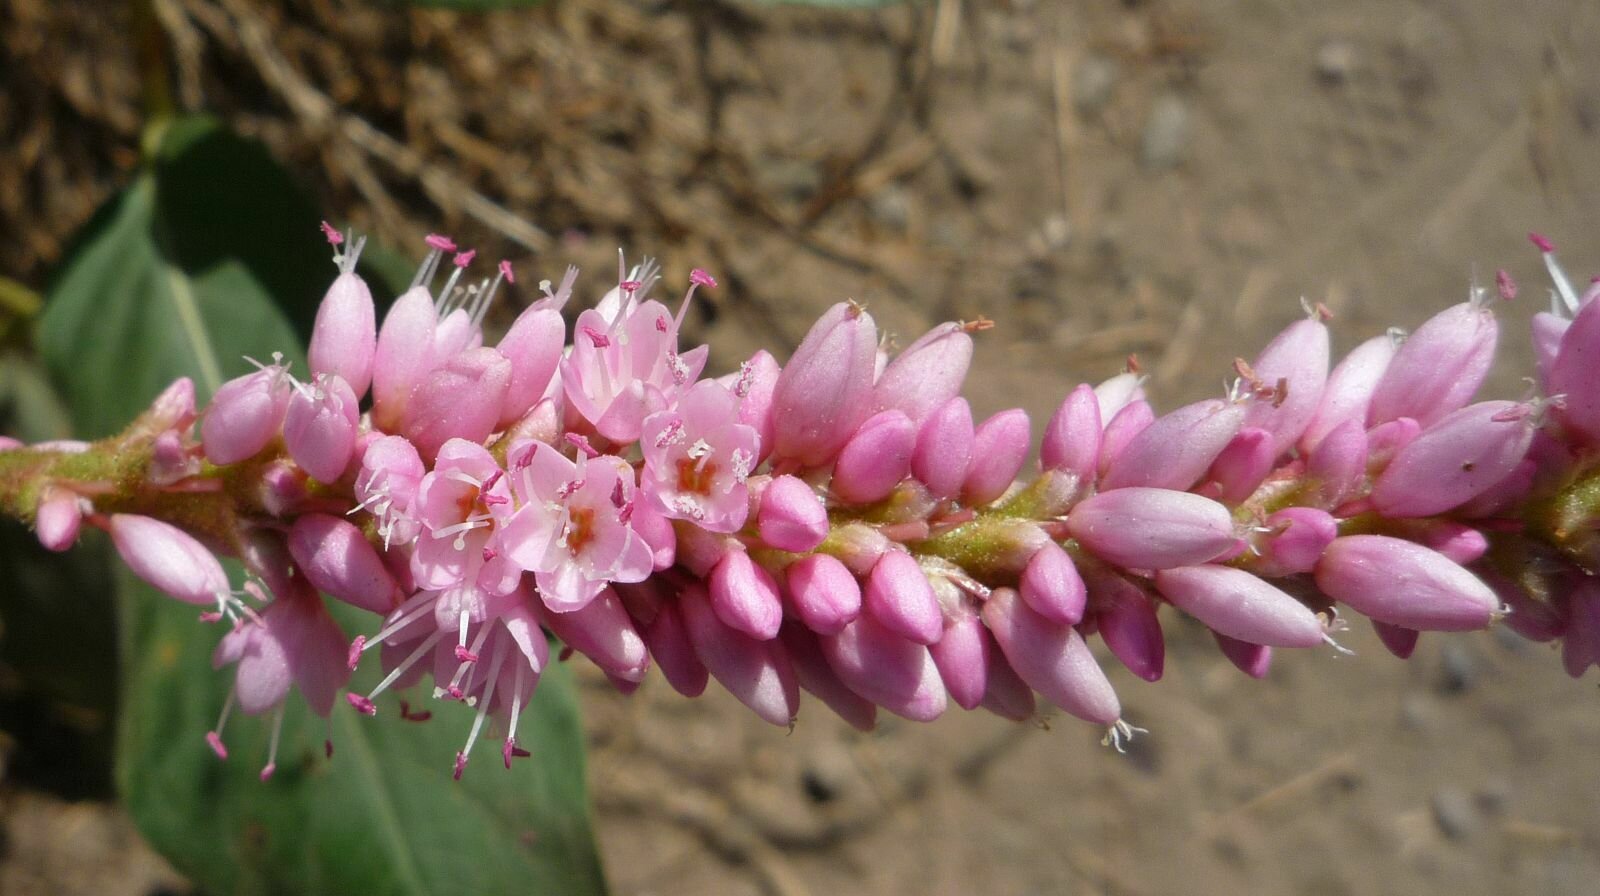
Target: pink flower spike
{"type": "Point", "coordinates": [999, 449]}
{"type": "Point", "coordinates": [875, 459]}
{"type": "Point", "coordinates": [823, 594]}
{"type": "Point", "coordinates": [745, 597]}
{"type": "Point", "coordinates": [319, 427]}
{"type": "Point", "coordinates": [339, 560]}
{"type": "Point", "coordinates": [1404, 584]}
{"type": "Point", "coordinates": [1176, 449]}
{"type": "Point", "coordinates": [1052, 587]}
{"type": "Point", "coordinates": [58, 519]}
{"type": "Point", "coordinates": [1152, 528]}
{"type": "Point", "coordinates": [169, 559]}
{"type": "Point", "coordinates": [1438, 368]}
{"type": "Point", "coordinates": [1072, 437]}
{"type": "Point", "coordinates": [758, 673]}
{"type": "Point", "coordinates": [824, 393]}
{"type": "Point", "coordinates": [900, 598]}
{"type": "Point", "coordinates": [791, 517]}
{"type": "Point", "coordinates": [699, 277]}
{"type": "Point", "coordinates": [943, 454]}
{"type": "Point", "coordinates": [1455, 460]}
{"type": "Point", "coordinates": [888, 670]}
{"type": "Point", "coordinates": [1052, 659]}
{"type": "Point", "coordinates": [1235, 603]}
{"type": "Point", "coordinates": [926, 375]}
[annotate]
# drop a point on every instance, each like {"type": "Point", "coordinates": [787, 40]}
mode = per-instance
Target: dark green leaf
{"type": "Point", "coordinates": [205, 259]}
{"type": "Point", "coordinates": [382, 817]}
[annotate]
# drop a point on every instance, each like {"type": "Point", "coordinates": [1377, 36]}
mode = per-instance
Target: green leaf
{"type": "Point", "coordinates": [207, 257]}
{"type": "Point", "coordinates": [382, 817]}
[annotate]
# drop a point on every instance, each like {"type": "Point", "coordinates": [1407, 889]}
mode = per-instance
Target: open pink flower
{"type": "Point", "coordinates": [460, 505]}
{"type": "Point", "coordinates": [697, 458]}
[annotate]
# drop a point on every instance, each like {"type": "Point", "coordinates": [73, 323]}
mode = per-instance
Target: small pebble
{"type": "Point", "coordinates": [1166, 133]}
{"type": "Point", "coordinates": [1454, 813]}
{"type": "Point", "coordinates": [1336, 61]}
{"type": "Point", "coordinates": [1092, 83]}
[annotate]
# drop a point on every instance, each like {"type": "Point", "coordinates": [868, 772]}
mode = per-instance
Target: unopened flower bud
{"type": "Point", "coordinates": [791, 518]}
{"type": "Point", "coordinates": [1152, 528]}
{"type": "Point", "coordinates": [244, 415]}
{"type": "Point", "coordinates": [875, 459]}
{"type": "Point", "coordinates": [320, 427]}
{"type": "Point", "coordinates": [927, 374]}
{"type": "Point", "coordinates": [461, 400]}
{"type": "Point", "coordinates": [1252, 659]}
{"type": "Point", "coordinates": [944, 448]}
{"type": "Point", "coordinates": [745, 597]}
{"type": "Point", "coordinates": [1176, 449]}
{"type": "Point", "coordinates": [1072, 437]}
{"type": "Point", "coordinates": [1236, 603]}
{"type": "Point", "coordinates": [825, 391]}
{"type": "Point", "coordinates": [1438, 368]}
{"type": "Point", "coordinates": [169, 559]}
{"type": "Point", "coordinates": [58, 519]}
{"type": "Point", "coordinates": [1349, 390]}
{"type": "Point", "coordinates": [668, 640]}
{"type": "Point", "coordinates": [816, 676]}
{"type": "Point", "coordinates": [1295, 365]}
{"type": "Point", "coordinates": [1053, 659]}
{"type": "Point", "coordinates": [1122, 429]}
{"type": "Point", "coordinates": [887, 669]}
{"type": "Point", "coordinates": [823, 594]}
{"type": "Point", "coordinates": [404, 356]}
{"type": "Point", "coordinates": [962, 658]}
{"type": "Point", "coordinates": [344, 337]}
{"type": "Point", "coordinates": [757, 672]}
{"type": "Point", "coordinates": [1455, 460]}
{"type": "Point", "coordinates": [533, 349]}
{"type": "Point", "coordinates": [339, 560]}
{"type": "Point", "coordinates": [1052, 587]}
{"type": "Point", "coordinates": [999, 449]}
{"type": "Point", "coordinates": [899, 597]}
{"type": "Point", "coordinates": [1406, 584]}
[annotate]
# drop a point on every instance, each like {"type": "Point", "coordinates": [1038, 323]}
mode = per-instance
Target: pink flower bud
{"type": "Point", "coordinates": [887, 669]}
{"type": "Point", "coordinates": [823, 593]}
{"type": "Point", "coordinates": [1581, 647]}
{"type": "Point", "coordinates": [1385, 440]}
{"type": "Point", "coordinates": [1052, 587]}
{"type": "Point", "coordinates": [460, 400]}
{"type": "Point", "coordinates": [816, 676]}
{"type": "Point", "coordinates": [824, 393]}
{"type": "Point", "coordinates": [1118, 392]}
{"type": "Point", "coordinates": [900, 598]}
{"type": "Point", "coordinates": [1458, 541]}
{"type": "Point", "coordinates": [1241, 467]}
{"type": "Point", "coordinates": [1152, 528]}
{"type": "Point", "coordinates": [656, 531]}
{"type": "Point", "coordinates": [791, 517]}
{"type": "Point", "coordinates": [1295, 540]}
{"type": "Point", "coordinates": [1455, 460]}
{"type": "Point", "coordinates": [1175, 450]}
{"type": "Point", "coordinates": [758, 673]}
{"type": "Point", "coordinates": [533, 348]}
{"type": "Point", "coordinates": [1500, 498]}
{"type": "Point", "coordinates": [173, 409]}
{"type": "Point", "coordinates": [320, 427]}
{"type": "Point", "coordinates": [602, 631]}
{"type": "Point", "coordinates": [999, 449]}
{"type": "Point", "coordinates": [1126, 618]}
{"type": "Point", "coordinates": [875, 459]}
{"type": "Point", "coordinates": [668, 640]}
{"type": "Point", "coordinates": [1052, 659]}
{"type": "Point", "coordinates": [1297, 360]}
{"type": "Point", "coordinates": [1349, 390]}
{"type": "Point", "coordinates": [404, 356]}
{"type": "Point", "coordinates": [1547, 332]}
{"type": "Point", "coordinates": [345, 336]}
{"type": "Point", "coordinates": [58, 519]}
{"type": "Point", "coordinates": [1399, 641]}
{"type": "Point", "coordinates": [1572, 374]}
{"type": "Point", "coordinates": [745, 597]}
{"type": "Point", "coordinates": [1438, 368]}
{"type": "Point", "coordinates": [1337, 466]}
{"type": "Point", "coordinates": [1072, 437]}
{"type": "Point", "coordinates": [753, 385]}
{"type": "Point", "coordinates": [1122, 429]}
{"type": "Point", "coordinates": [1404, 584]}
{"type": "Point", "coordinates": [169, 559]}
{"type": "Point", "coordinates": [962, 658]}
{"type": "Point", "coordinates": [244, 415]}
{"type": "Point", "coordinates": [944, 448]}
{"type": "Point", "coordinates": [1239, 605]}
{"type": "Point", "coordinates": [340, 561]}
{"type": "Point", "coordinates": [1252, 659]}
{"type": "Point", "coordinates": [1007, 695]}
{"type": "Point", "coordinates": [927, 374]}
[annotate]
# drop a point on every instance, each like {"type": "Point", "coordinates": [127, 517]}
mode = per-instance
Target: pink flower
{"type": "Point", "coordinates": [572, 530]}
{"type": "Point", "coordinates": [697, 458]}
{"type": "Point", "coordinates": [461, 505]}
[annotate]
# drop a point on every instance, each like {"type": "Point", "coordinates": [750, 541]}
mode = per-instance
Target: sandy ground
{"type": "Point", "coordinates": [1099, 178]}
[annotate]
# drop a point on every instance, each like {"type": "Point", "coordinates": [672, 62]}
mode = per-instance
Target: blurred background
{"type": "Point", "coordinates": [1102, 178]}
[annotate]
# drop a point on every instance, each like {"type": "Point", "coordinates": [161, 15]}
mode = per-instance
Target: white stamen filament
{"type": "Point", "coordinates": [410, 660]}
